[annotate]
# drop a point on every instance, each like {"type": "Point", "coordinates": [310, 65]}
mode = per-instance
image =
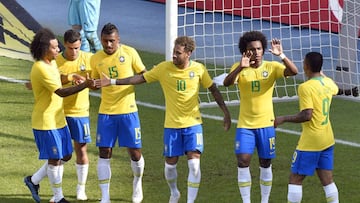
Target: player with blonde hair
{"type": "Point", "coordinates": [180, 80]}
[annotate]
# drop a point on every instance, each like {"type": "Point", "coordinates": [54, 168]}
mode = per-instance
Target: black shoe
{"type": "Point", "coordinates": [34, 189]}
{"type": "Point", "coordinates": [353, 91]}
{"type": "Point", "coordinates": [63, 200]}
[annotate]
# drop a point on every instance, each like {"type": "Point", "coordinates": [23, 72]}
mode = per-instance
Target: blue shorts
{"type": "Point", "coordinates": [306, 162]}
{"type": "Point", "coordinates": [178, 141]}
{"type": "Point", "coordinates": [53, 144]}
{"type": "Point", "coordinates": [262, 138]}
{"type": "Point", "coordinates": [85, 13]}
{"type": "Point", "coordinates": [79, 129]}
{"type": "Point", "coordinates": [124, 127]}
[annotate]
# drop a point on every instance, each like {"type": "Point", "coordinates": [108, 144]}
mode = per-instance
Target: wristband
{"type": "Point", "coordinates": [113, 81]}
{"type": "Point", "coordinates": [282, 56]}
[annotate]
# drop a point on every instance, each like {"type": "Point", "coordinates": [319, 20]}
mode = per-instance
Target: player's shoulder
{"type": "Point", "coordinates": [60, 58]}
{"type": "Point", "coordinates": [196, 64]}
{"type": "Point", "coordinates": [271, 63]}
{"type": "Point", "coordinates": [331, 83]}
{"type": "Point", "coordinates": [306, 85]}
{"type": "Point", "coordinates": [127, 48]}
{"type": "Point", "coordinates": [165, 64]}
{"type": "Point", "coordinates": [326, 78]}
{"type": "Point", "coordinates": [98, 55]}
{"type": "Point", "coordinates": [85, 54]}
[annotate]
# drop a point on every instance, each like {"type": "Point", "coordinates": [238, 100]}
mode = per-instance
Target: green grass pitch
{"type": "Point", "coordinates": [19, 156]}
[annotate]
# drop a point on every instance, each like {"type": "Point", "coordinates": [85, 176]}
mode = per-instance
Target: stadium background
{"type": "Point", "coordinates": [139, 20]}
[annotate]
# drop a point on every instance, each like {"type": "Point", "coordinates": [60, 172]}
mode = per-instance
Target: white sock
{"type": "Point", "coordinates": [331, 193]}
{"type": "Point", "coordinates": [61, 169]}
{"type": "Point", "coordinates": [55, 178]}
{"type": "Point", "coordinates": [138, 167]}
{"type": "Point", "coordinates": [171, 178]}
{"type": "Point", "coordinates": [82, 173]}
{"type": "Point", "coordinates": [266, 177]}
{"type": "Point", "coordinates": [104, 176]}
{"type": "Point", "coordinates": [294, 193]}
{"type": "Point", "coordinates": [40, 174]}
{"type": "Point", "coordinates": [244, 183]}
{"type": "Point", "coordinates": [138, 170]}
{"type": "Point", "coordinates": [194, 179]}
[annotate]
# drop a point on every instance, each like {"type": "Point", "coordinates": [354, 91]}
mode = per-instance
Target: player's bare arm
{"type": "Point", "coordinates": [244, 62]}
{"type": "Point", "coordinates": [64, 92]}
{"type": "Point", "coordinates": [302, 116]}
{"type": "Point", "coordinates": [78, 79]}
{"type": "Point", "coordinates": [220, 101]}
{"type": "Point", "coordinates": [277, 50]}
{"type": "Point", "coordinates": [106, 81]}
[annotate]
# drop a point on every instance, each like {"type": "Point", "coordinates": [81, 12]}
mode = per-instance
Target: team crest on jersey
{"type": "Point", "coordinates": [82, 67]}
{"type": "Point", "coordinates": [191, 74]}
{"type": "Point", "coordinates": [122, 59]}
{"type": "Point", "coordinates": [265, 74]}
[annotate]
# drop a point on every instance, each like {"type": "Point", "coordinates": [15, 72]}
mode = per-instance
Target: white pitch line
{"type": "Point", "coordinates": [155, 106]}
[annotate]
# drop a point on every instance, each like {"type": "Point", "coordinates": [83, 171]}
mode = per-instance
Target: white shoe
{"type": "Point", "coordinates": [174, 198]}
{"type": "Point", "coordinates": [80, 193]}
{"type": "Point", "coordinates": [81, 196]}
{"type": "Point", "coordinates": [137, 196]}
{"type": "Point", "coordinates": [105, 201]}
{"type": "Point", "coordinates": [52, 200]}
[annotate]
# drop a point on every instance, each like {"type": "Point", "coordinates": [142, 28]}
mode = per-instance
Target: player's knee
{"type": "Point", "coordinates": [265, 163]}
{"type": "Point", "coordinates": [66, 158]}
{"type": "Point", "coordinates": [243, 160]}
{"type": "Point", "coordinates": [105, 152]}
{"type": "Point", "coordinates": [135, 154]}
{"type": "Point", "coordinates": [242, 163]}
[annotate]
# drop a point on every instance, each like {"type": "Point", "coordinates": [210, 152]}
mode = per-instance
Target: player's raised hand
{"type": "Point", "coordinates": [276, 47]}
{"type": "Point", "coordinates": [246, 59]}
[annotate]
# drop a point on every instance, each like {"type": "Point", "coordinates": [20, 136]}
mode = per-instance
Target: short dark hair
{"type": "Point", "coordinates": [108, 29]}
{"type": "Point", "coordinates": [251, 36]}
{"type": "Point", "coordinates": [72, 36]}
{"type": "Point", "coordinates": [187, 42]}
{"type": "Point", "coordinates": [315, 61]}
{"type": "Point", "coordinates": [41, 43]}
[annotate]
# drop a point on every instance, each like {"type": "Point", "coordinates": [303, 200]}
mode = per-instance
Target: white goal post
{"type": "Point", "coordinates": [330, 27]}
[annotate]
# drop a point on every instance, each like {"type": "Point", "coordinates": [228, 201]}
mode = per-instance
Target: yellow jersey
{"type": "Point", "coordinates": [316, 94]}
{"type": "Point", "coordinates": [48, 113]}
{"type": "Point", "coordinates": [125, 62]}
{"type": "Point", "coordinates": [256, 86]}
{"type": "Point", "coordinates": [181, 89]}
{"type": "Point", "coordinates": [76, 105]}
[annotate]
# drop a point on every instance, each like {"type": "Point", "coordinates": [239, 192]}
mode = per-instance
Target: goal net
{"type": "Point", "coordinates": [330, 27]}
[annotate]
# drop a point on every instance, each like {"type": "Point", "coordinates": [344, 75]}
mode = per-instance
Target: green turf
{"type": "Point", "coordinates": [218, 164]}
